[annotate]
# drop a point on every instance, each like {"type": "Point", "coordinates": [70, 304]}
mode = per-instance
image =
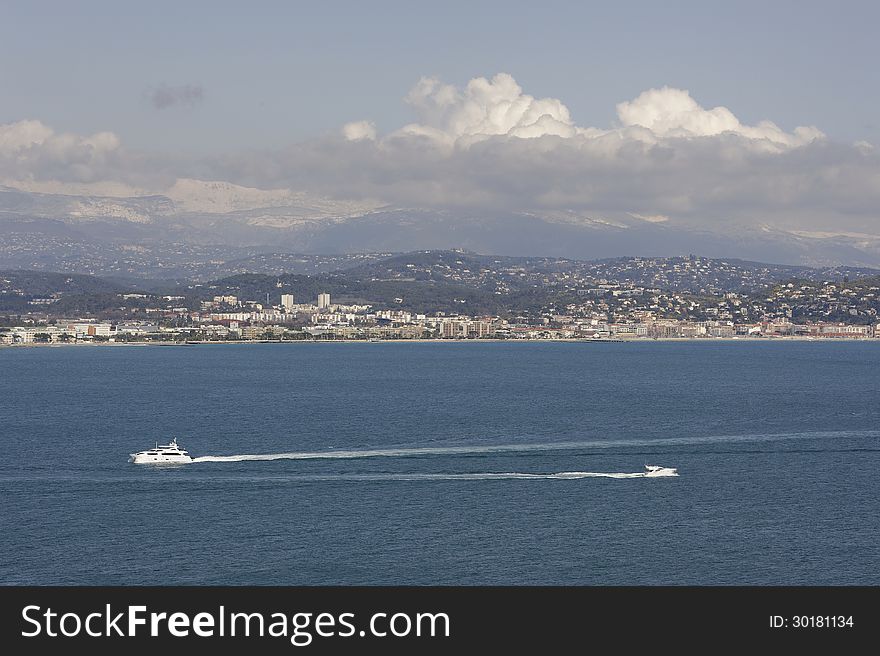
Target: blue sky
{"type": "Point", "coordinates": [274, 73]}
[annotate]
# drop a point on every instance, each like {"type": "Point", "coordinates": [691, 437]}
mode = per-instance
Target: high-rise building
{"type": "Point", "coordinates": [323, 301]}
{"type": "Point", "coordinates": [287, 302]}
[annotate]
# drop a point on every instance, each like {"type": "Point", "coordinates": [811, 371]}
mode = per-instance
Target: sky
{"type": "Point", "coordinates": [279, 72]}
{"type": "Point", "coordinates": [642, 108]}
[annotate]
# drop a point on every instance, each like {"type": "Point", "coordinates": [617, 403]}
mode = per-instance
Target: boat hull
{"type": "Point", "coordinates": [145, 459]}
{"type": "Point", "coordinates": [664, 471]}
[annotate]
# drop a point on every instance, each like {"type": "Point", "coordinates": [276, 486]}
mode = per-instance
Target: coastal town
{"type": "Point", "coordinates": [449, 295]}
{"type": "Point", "coordinates": [605, 313]}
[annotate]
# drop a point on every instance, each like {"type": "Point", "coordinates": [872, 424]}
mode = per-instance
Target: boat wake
{"type": "Point", "coordinates": [478, 476]}
{"type": "Point", "coordinates": [651, 471]}
{"type": "Point", "coordinates": [520, 448]}
{"type": "Point", "coordinates": [385, 453]}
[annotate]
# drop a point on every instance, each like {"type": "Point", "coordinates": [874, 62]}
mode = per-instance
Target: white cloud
{"type": "Point", "coordinates": [359, 130]}
{"type": "Point", "coordinates": [669, 112]}
{"type": "Point", "coordinates": [32, 150]}
{"type": "Point", "coordinates": [16, 136]}
{"type": "Point", "coordinates": [483, 109]}
{"type": "Point", "coordinates": [498, 108]}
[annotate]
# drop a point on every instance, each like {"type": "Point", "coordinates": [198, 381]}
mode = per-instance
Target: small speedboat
{"type": "Point", "coordinates": [656, 470]}
{"type": "Point", "coordinates": [162, 454]}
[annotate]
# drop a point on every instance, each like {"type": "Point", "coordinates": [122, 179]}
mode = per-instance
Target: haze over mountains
{"type": "Point", "coordinates": [196, 223]}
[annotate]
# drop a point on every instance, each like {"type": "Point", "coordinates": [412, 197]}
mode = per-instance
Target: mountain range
{"type": "Point", "coordinates": [197, 229]}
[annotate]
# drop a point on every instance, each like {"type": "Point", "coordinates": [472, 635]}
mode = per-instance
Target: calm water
{"type": "Point", "coordinates": [777, 445]}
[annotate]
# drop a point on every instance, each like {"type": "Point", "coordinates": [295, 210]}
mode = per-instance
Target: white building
{"type": "Point", "coordinates": [136, 328]}
{"type": "Point", "coordinates": [28, 335]}
{"type": "Point", "coordinates": [84, 330]}
{"type": "Point", "coordinates": [287, 302]}
{"type": "Point", "coordinates": [323, 301]}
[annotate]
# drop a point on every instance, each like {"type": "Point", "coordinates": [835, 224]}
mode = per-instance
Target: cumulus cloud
{"type": "Point", "coordinates": [31, 150]}
{"type": "Point", "coordinates": [667, 159]}
{"type": "Point", "coordinates": [499, 108]}
{"type": "Point", "coordinates": [187, 95]}
{"type": "Point", "coordinates": [483, 109]}
{"type": "Point", "coordinates": [669, 112]}
{"type": "Point", "coordinates": [14, 137]}
{"type": "Point", "coordinates": [358, 130]}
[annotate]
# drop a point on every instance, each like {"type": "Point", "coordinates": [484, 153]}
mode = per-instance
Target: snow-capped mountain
{"type": "Point", "coordinates": [207, 197]}
{"type": "Point", "coordinates": [221, 214]}
{"type": "Point", "coordinates": [186, 196]}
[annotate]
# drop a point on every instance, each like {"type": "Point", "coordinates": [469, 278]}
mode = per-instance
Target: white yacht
{"type": "Point", "coordinates": [656, 470]}
{"type": "Point", "coordinates": [162, 454]}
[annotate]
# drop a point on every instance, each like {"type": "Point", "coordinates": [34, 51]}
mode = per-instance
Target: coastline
{"type": "Point", "coordinates": [586, 340]}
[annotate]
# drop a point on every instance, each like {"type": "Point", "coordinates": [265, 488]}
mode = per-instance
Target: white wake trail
{"type": "Point", "coordinates": [493, 476]}
{"type": "Point", "coordinates": [382, 453]}
{"type": "Point", "coordinates": [553, 446]}
{"type": "Point", "coordinates": [437, 476]}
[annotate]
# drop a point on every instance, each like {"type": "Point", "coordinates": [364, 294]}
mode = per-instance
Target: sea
{"type": "Point", "coordinates": [458, 463]}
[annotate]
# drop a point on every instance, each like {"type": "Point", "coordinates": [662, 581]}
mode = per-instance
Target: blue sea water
{"type": "Point", "coordinates": [776, 443]}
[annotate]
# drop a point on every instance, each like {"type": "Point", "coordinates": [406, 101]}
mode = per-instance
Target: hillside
{"type": "Point", "coordinates": [457, 282]}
